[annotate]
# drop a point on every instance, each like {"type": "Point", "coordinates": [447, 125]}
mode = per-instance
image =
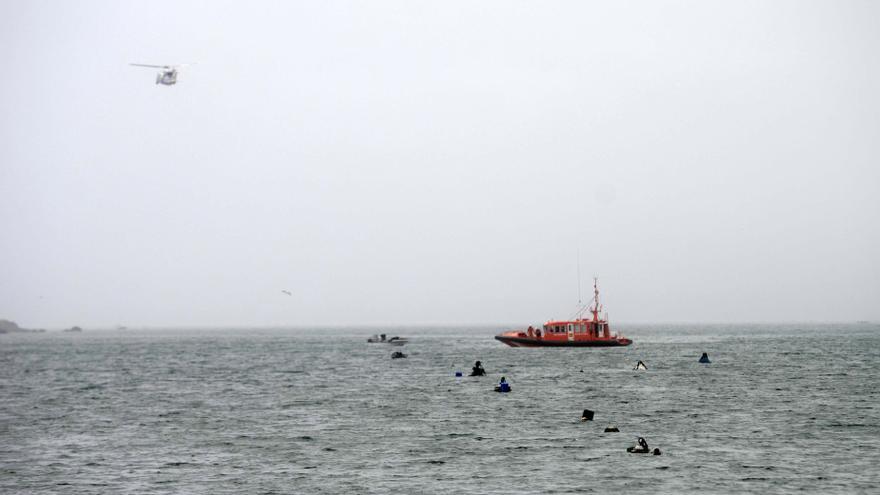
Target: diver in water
{"type": "Point", "coordinates": [705, 358]}
{"type": "Point", "coordinates": [478, 370]}
{"type": "Point", "coordinates": [641, 448]}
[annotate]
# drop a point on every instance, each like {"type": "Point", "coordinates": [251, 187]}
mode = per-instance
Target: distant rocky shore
{"type": "Point", "coordinates": [7, 326]}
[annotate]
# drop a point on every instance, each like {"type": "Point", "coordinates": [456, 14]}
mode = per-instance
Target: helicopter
{"type": "Point", "coordinates": [167, 74]}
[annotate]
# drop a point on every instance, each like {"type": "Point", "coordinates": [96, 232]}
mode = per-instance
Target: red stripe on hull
{"type": "Point", "coordinates": [535, 342]}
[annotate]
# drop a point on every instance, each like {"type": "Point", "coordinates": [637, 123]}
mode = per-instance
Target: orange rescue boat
{"type": "Point", "coordinates": [578, 332]}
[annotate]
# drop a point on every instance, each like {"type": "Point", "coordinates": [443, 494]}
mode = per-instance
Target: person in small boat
{"type": "Point", "coordinates": [641, 447]}
{"type": "Point", "coordinates": [531, 331]}
{"type": "Point", "coordinates": [640, 366]}
{"type": "Point", "coordinates": [705, 358]}
{"type": "Point", "coordinates": [503, 386]}
{"type": "Point", "coordinates": [478, 370]}
{"type": "Point", "coordinates": [538, 333]}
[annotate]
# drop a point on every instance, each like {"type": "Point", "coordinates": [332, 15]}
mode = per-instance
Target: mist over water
{"type": "Point", "coordinates": [358, 164]}
{"type": "Point", "coordinates": [438, 163]}
{"type": "Point", "coordinates": [781, 409]}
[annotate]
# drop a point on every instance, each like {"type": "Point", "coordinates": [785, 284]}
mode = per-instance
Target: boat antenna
{"type": "Point", "coordinates": [595, 298]}
{"type": "Point", "coordinates": [579, 275]}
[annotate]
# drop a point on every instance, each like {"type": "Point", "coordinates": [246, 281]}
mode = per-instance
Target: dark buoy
{"type": "Point", "coordinates": [397, 355]}
{"type": "Point", "coordinates": [478, 370]}
{"type": "Point", "coordinates": [640, 366]}
{"type": "Point", "coordinates": [611, 429]}
{"type": "Point", "coordinates": [503, 386]}
{"type": "Point", "coordinates": [458, 374]}
{"type": "Point", "coordinates": [656, 451]}
{"type": "Point", "coordinates": [705, 358]}
{"type": "Point", "coordinates": [641, 447]}
{"type": "Point", "coordinates": [587, 415]}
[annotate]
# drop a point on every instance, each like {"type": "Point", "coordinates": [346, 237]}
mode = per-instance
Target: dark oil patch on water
{"type": "Point", "coordinates": [281, 411]}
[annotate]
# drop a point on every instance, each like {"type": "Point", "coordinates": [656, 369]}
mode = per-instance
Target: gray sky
{"type": "Point", "coordinates": [438, 162]}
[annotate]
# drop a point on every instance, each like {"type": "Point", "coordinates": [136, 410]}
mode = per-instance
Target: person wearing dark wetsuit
{"type": "Point", "coordinates": [478, 370]}
{"type": "Point", "coordinates": [641, 448]}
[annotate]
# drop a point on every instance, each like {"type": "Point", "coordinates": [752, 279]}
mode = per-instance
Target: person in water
{"type": "Point", "coordinates": [640, 448]}
{"type": "Point", "coordinates": [478, 370]}
{"type": "Point", "coordinates": [705, 358]}
{"type": "Point", "coordinates": [503, 386]}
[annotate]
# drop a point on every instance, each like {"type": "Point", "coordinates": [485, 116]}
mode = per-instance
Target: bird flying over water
{"type": "Point", "coordinates": [287, 292]}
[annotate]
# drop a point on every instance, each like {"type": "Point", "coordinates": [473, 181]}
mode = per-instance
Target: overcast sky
{"type": "Point", "coordinates": [438, 162]}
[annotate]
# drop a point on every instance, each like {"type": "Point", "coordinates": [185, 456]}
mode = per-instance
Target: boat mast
{"type": "Point", "coordinates": [595, 309]}
{"type": "Point", "coordinates": [579, 275]}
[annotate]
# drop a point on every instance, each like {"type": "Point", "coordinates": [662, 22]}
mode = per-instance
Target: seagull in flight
{"type": "Point", "coordinates": [287, 292]}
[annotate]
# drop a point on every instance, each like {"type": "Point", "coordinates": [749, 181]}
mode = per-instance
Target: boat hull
{"type": "Point", "coordinates": [514, 341]}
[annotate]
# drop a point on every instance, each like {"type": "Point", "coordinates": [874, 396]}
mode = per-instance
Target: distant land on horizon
{"type": "Point", "coordinates": [7, 326]}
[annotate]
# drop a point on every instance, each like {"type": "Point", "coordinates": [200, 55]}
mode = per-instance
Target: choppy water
{"type": "Point", "coordinates": [780, 409]}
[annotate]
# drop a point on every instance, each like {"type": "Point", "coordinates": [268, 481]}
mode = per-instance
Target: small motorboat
{"type": "Point", "coordinates": [380, 339]}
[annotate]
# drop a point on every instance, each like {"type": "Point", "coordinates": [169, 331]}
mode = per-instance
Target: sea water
{"type": "Point", "coordinates": [781, 409]}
